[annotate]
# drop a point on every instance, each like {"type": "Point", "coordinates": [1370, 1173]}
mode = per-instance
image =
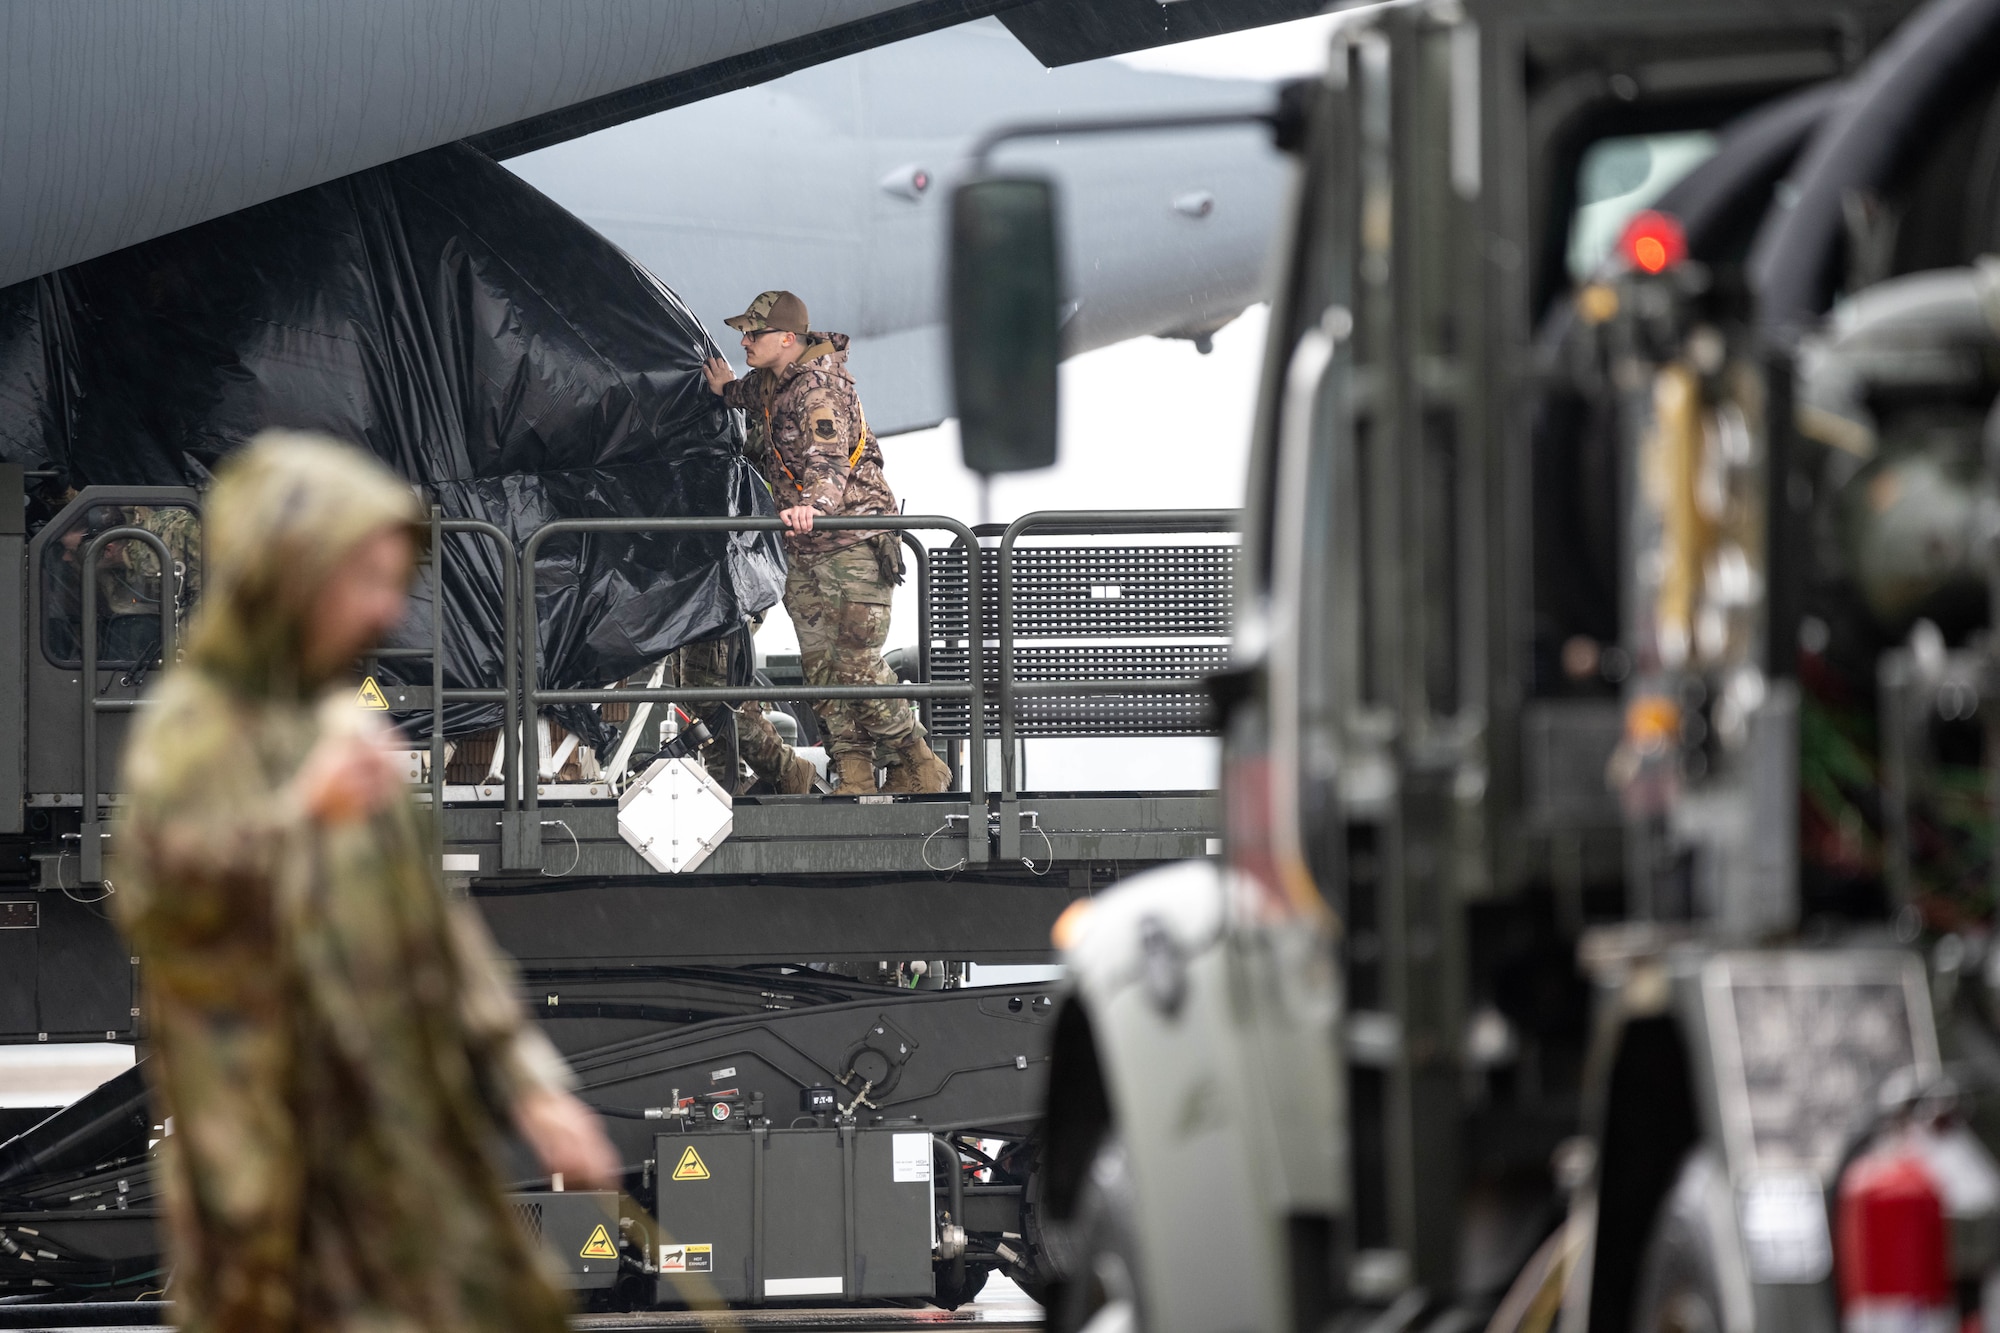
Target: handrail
{"type": "Point", "coordinates": [510, 704]}
{"type": "Point", "coordinates": [1081, 521]}
{"type": "Point", "coordinates": [923, 559]}
{"type": "Point", "coordinates": [90, 852]}
{"type": "Point", "coordinates": [521, 849]}
{"type": "Point", "coordinates": [90, 849]}
{"type": "Point", "coordinates": [521, 696]}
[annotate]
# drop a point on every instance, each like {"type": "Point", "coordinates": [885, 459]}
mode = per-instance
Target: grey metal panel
{"type": "Point", "coordinates": [13, 706]}
{"type": "Point", "coordinates": [1164, 828]}
{"type": "Point", "coordinates": [121, 121]}
{"type": "Point", "coordinates": [18, 953]}
{"type": "Point", "coordinates": [710, 1206]}
{"type": "Point", "coordinates": [804, 1236]}
{"type": "Point", "coordinates": [813, 47]}
{"type": "Point", "coordinates": [664, 919]}
{"type": "Point", "coordinates": [83, 974]}
{"type": "Point", "coordinates": [892, 1221]}
{"type": "Point", "coordinates": [819, 836]}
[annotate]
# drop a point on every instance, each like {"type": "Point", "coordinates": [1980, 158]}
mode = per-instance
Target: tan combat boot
{"type": "Point", "coordinates": [855, 774]}
{"type": "Point", "coordinates": [918, 770]}
{"type": "Point", "coordinates": [797, 777]}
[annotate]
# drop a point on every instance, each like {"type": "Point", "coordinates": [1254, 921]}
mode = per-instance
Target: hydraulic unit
{"type": "Point", "coordinates": [749, 1212]}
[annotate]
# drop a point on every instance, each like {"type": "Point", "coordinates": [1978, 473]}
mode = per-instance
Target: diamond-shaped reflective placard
{"type": "Point", "coordinates": [674, 815]}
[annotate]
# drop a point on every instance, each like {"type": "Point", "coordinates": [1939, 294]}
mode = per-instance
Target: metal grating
{"type": "Point", "coordinates": [530, 1217]}
{"type": "Point", "coordinates": [1064, 592]}
{"type": "Point", "coordinates": [1111, 606]}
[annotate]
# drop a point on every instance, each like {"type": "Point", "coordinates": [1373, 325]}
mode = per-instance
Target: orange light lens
{"type": "Point", "coordinates": [1070, 924]}
{"type": "Point", "coordinates": [1653, 242]}
{"type": "Point", "coordinates": [1651, 721]}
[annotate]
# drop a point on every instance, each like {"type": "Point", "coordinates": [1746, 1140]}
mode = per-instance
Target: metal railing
{"type": "Point", "coordinates": [508, 696]}
{"type": "Point", "coordinates": [1094, 522]}
{"type": "Point", "coordinates": [521, 842]}
{"type": "Point", "coordinates": [521, 695]}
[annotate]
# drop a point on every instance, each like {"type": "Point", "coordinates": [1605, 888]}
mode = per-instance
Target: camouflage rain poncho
{"type": "Point", "coordinates": [337, 1043]}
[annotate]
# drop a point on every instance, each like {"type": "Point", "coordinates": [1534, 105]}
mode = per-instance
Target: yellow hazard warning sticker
{"type": "Point", "coordinates": [370, 695]}
{"type": "Point", "coordinates": [687, 1258]}
{"type": "Point", "coordinates": [599, 1245]}
{"type": "Point", "coordinates": [691, 1167]}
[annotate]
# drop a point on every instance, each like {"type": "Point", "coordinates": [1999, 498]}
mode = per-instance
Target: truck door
{"type": "Point", "coordinates": [128, 585]}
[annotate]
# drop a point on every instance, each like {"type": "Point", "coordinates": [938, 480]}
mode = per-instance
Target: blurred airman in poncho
{"type": "Point", "coordinates": [338, 1044]}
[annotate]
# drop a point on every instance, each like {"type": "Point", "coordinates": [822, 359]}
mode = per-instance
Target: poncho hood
{"type": "Point", "coordinates": [282, 515]}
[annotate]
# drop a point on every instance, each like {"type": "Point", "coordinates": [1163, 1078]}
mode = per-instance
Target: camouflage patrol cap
{"type": "Point", "coordinates": [771, 310]}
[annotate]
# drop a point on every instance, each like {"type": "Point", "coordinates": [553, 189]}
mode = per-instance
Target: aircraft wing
{"type": "Point", "coordinates": [1062, 32]}
{"type": "Point", "coordinates": [120, 122]}
{"type": "Point", "coordinates": [123, 121]}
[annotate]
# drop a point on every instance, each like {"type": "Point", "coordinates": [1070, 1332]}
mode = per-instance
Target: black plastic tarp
{"type": "Point", "coordinates": [465, 329]}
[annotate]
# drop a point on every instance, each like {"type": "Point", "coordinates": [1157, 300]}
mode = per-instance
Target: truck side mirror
{"type": "Point", "coordinates": [1005, 322]}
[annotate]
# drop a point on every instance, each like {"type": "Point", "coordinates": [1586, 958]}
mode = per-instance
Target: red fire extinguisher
{"type": "Point", "coordinates": [1894, 1246]}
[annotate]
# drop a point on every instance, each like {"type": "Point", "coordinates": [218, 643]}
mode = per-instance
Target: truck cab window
{"type": "Point", "coordinates": [128, 580]}
{"type": "Point", "coordinates": [1617, 178]}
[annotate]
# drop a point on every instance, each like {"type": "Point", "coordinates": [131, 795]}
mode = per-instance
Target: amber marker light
{"type": "Point", "coordinates": [1070, 924]}
{"type": "Point", "coordinates": [1651, 720]}
{"type": "Point", "coordinates": [1653, 242]}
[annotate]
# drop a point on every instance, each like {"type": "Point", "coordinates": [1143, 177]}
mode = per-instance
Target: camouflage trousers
{"type": "Point", "coordinates": [839, 604]}
{"type": "Point", "coordinates": [757, 741]}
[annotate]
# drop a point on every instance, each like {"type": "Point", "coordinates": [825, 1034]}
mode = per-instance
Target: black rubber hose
{"type": "Point", "coordinates": [1713, 202]}
{"type": "Point", "coordinates": [1920, 76]}
{"type": "Point", "coordinates": [954, 1200]}
{"type": "Point", "coordinates": [105, 1122]}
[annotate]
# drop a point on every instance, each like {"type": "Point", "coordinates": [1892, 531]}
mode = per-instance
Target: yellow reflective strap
{"type": "Point", "coordinates": [861, 443]}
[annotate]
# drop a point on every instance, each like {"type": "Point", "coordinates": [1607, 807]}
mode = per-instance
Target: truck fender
{"type": "Point", "coordinates": [1148, 1047]}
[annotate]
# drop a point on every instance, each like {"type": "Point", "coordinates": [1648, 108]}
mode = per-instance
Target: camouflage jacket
{"type": "Point", "coordinates": [805, 427]}
{"type": "Point", "coordinates": [337, 1043]}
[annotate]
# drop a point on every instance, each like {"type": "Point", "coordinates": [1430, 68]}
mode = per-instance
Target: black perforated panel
{"type": "Point", "coordinates": [1118, 612]}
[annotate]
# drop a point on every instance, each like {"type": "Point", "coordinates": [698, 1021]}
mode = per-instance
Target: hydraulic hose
{"type": "Point", "coordinates": [112, 1117]}
{"type": "Point", "coordinates": [1921, 76]}
{"type": "Point", "coordinates": [947, 1157]}
{"type": "Point", "coordinates": [1714, 201]}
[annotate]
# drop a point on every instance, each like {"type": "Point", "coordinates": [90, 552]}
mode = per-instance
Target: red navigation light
{"type": "Point", "coordinates": [1653, 242]}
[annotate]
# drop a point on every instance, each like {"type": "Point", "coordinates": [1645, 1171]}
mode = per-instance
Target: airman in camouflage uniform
{"type": "Point", "coordinates": [338, 1044]}
{"type": "Point", "coordinates": [809, 437]}
{"type": "Point", "coordinates": [127, 576]}
{"type": "Point", "coordinates": [180, 528]}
